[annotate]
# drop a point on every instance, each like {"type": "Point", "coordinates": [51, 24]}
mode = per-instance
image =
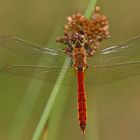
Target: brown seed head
{"type": "Point", "coordinates": [88, 31]}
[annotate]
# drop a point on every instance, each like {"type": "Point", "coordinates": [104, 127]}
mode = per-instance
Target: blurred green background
{"type": "Point", "coordinates": [113, 109]}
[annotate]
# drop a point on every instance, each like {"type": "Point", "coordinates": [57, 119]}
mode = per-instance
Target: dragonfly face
{"type": "Point", "coordinates": [79, 42]}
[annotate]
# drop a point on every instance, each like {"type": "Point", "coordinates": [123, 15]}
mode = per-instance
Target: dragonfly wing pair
{"type": "Point", "coordinates": [109, 64]}
{"type": "Point", "coordinates": [115, 63]}
{"type": "Point", "coordinates": [52, 59]}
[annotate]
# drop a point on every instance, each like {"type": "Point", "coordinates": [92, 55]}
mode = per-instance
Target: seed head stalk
{"type": "Point", "coordinates": [49, 106]}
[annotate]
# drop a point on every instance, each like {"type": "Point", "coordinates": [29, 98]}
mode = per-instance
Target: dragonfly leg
{"type": "Point", "coordinates": [68, 51]}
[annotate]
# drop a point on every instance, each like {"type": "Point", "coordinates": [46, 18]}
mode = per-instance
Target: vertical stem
{"type": "Point", "coordinates": [50, 103]}
{"type": "Point", "coordinates": [90, 7]}
{"type": "Point", "coordinates": [48, 108]}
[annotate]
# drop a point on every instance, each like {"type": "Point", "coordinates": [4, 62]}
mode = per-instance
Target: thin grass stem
{"type": "Point", "coordinates": [89, 9]}
{"type": "Point", "coordinates": [53, 97]}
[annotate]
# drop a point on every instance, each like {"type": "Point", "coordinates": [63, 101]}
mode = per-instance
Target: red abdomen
{"type": "Point", "coordinates": [82, 114]}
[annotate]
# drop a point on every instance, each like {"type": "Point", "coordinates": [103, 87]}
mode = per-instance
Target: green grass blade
{"type": "Point", "coordinates": [49, 106]}
{"type": "Point", "coordinates": [90, 7]}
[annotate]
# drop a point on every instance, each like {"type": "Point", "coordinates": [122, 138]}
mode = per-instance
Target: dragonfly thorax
{"type": "Point", "coordinates": [79, 58]}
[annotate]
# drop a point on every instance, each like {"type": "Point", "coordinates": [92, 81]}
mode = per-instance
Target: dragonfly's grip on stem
{"type": "Point", "coordinates": [82, 114]}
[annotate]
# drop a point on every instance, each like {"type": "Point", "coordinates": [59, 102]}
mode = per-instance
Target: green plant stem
{"type": "Point", "coordinates": [89, 9]}
{"type": "Point", "coordinates": [49, 106]}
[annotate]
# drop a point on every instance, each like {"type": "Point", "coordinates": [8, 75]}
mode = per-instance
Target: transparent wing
{"type": "Point", "coordinates": [108, 65]}
{"type": "Point", "coordinates": [45, 73]}
{"type": "Point", "coordinates": [30, 50]}
{"type": "Point", "coordinates": [98, 75]}
{"type": "Point", "coordinates": [127, 51]}
{"type": "Point", "coordinates": [105, 74]}
{"type": "Point", "coordinates": [115, 63]}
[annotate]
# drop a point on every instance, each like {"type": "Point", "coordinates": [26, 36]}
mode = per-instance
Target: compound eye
{"type": "Point", "coordinates": [82, 40]}
{"type": "Point", "coordinates": [72, 42]}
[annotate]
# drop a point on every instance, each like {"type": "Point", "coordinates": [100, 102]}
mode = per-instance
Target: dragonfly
{"type": "Point", "coordinates": [108, 64]}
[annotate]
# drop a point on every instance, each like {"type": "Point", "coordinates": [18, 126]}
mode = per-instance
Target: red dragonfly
{"type": "Point", "coordinates": [107, 65]}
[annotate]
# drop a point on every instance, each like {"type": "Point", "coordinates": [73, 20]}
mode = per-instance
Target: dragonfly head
{"type": "Point", "coordinates": [78, 40]}
{"type": "Point", "coordinates": [78, 43]}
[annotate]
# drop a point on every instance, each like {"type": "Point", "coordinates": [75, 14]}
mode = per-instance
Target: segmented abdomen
{"type": "Point", "coordinates": [82, 114]}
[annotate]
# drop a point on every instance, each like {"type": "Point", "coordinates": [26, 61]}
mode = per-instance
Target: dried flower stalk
{"type": "Point", "coordinates": [87, 32]}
